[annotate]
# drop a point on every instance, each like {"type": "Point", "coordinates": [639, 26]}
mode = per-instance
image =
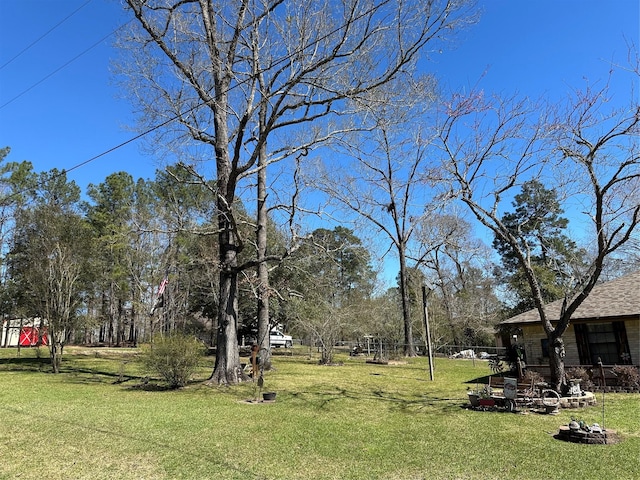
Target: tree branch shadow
{"type": "Point", "coordinates": [409, 404]}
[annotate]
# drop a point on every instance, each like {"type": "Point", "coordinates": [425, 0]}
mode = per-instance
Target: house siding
{"type": "Point", "coordinates": [533, 334]}
{"type": "Point", "coordinates": [633, 335]}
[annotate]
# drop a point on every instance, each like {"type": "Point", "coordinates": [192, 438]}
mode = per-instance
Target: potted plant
{"type": "Point", "coordinates": [485, 397]}
{"type": "Point", "coordinates": [474, 398]}
{"type": "Point", "coordinates": [481, 397]}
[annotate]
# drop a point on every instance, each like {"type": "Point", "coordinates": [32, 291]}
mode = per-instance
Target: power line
{"type": "Point", "coordinates": [62, 66]}
{"type": "Point", "coordinates": [45, 34]}
{"type": "Point", "coordinates": [130, 140]}
{"type": "Point", "coordinates": [64, 171]}
{"type": "Point", "coordinates": [287, 57]}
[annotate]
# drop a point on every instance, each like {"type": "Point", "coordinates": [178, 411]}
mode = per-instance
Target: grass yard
{"type": "Point", "coordinates": [355, 421]}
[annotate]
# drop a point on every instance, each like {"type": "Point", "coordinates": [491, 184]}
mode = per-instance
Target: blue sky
{"type": "Point", "coordinates": [540, 47]}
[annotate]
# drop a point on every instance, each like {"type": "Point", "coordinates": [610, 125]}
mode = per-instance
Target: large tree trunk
{"type": "Point", "coordinates": [227, 369]}
{"type": "Point", "coordinates": [556, 363]}
{"type": "Point", "coordinates": [409, 349]}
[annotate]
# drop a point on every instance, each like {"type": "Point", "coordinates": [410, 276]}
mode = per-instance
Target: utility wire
{"type": "Point", "coordinates": [284, 59]}
{"type": "Point", "coordinates": [64, 171]}
{"type": "Point", "coordinates": [126, 142]}
{"type": "Point", "coordinates": [62, 66]}
{"type": "Point", "coordinates": [45, 34]}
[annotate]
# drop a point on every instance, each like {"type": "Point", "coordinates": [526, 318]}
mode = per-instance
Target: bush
{"type": "Point", "coordinates": [532, 377]}
{"type": "Point", "coordinates": [628, 375]}
{"type": "Point", "coordinates": [174, 357]}
{"type": "Point", "coordinates": [586, 382]}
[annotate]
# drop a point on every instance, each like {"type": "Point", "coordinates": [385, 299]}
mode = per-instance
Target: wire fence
{"type": "Point", "coordinates": [375, 346]}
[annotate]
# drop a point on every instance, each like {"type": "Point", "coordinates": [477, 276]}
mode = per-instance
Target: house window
{"type": "Point", "coordinates": [605, 341]}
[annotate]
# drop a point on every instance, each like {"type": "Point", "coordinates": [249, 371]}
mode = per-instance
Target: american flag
{"type": "Point", "coordinates": [159, 298]}
{"type": "Point", "coordinates": [163, 285]}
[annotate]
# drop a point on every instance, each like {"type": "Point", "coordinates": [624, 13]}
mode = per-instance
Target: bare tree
{"type": "Point", "coordinates": [49, 260]}
{"type": "Point", "coordinates": [458, 261]}
{"type": "Point", "coordinates": [232, 75]}
{"type": "Point", "coordinates": [585, 148]}
{"type": "Point", "coordinates": [380, 183]}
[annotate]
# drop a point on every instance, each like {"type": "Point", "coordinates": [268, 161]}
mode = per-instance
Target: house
{"type": "Point", "coordinates": [606, 326]}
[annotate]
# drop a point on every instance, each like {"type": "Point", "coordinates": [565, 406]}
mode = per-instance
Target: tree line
{"type": "Point", "coordinates": [93, 266]}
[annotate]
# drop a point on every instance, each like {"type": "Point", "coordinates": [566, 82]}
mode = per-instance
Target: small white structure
{"type": "Point", "coordinates": [464, 354]}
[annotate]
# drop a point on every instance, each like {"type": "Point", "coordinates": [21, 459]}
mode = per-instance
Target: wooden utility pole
{"type": "Point", "coordinates": [427, 331]}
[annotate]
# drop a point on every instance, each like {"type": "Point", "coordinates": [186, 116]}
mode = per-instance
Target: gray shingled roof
{"type": "Point", "coordinates": [617, 298]}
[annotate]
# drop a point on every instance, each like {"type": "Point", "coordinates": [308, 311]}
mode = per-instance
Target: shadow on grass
{"type": "Point", "coordinates": [148, 384]}
{"type": "Point", "coordinates": [484, 380]}
{"type": "Point", "coordinates": [128, 381]}
{"type": "Point", "coordinates": [91, 375]}
{"type": "Point", "coordinates": [414, 404]}
{"type": "Point", "coordinates": [73, 374]}
{"type": "Point", "coordinates": [25, 363]}
{"type": "Point", "coordinates": [69, 371]}
{"type": "Point", "coordinates": [317, 398]}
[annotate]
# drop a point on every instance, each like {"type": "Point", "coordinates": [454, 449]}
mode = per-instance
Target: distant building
{"type": "Point", "coordinates": [26, 332]}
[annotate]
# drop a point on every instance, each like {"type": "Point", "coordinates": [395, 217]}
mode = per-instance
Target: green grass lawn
{"type": "Point", "coordinates": [354, 421]}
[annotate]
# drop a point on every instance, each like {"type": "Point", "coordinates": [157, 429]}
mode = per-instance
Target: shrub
{"type": "Point", "coordinates": [586, 383]}
{"type": "Point", "coordinates": [174, 357]}
{"type": "Point", "coordinates": [532, 377]}
{"type": "Point", "coordinates": [628, 375]}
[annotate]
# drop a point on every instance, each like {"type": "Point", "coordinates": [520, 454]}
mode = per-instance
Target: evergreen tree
{"type": "Point", "coordinates": [539, 226]}
{"type": "Point", "coordinates": [110, 217]}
